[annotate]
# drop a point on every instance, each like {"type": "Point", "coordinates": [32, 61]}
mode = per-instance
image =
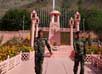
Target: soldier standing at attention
{"type": "Point", "coordinates": [80, 53]}
{"type": "Point", "coordinates": [39, 47]}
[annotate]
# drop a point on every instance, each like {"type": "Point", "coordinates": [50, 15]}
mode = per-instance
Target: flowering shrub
{"type": "Point", "coordinates": [93, 49]}
{"type": "Point", "coordinates": [7, 50]}
{"type": "Point", "coordinates": [13, 47]}
{"type": "Point", "coordinates": [3, 53]}
{"type": "Point", "coordinates": [25, 48]}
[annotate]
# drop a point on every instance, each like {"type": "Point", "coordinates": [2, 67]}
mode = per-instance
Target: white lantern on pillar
{"type": "Point", "coordinates": [77, 21]}
{"type": "Point", "coordinates": [33, 15]}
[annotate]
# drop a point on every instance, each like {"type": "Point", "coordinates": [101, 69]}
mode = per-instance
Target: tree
{"type": "Point", "coordinates": [93, 20]}
{"type": "Point", "coordinates": [14, 20]}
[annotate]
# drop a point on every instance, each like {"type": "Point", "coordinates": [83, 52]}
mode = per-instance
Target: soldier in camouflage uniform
{"type": "Point", "coordinates": [39, 47]}
{"type": "Point", "coordinates": [79, 47]}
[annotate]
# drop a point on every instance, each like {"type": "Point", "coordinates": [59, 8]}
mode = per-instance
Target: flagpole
{"type": "Point", "coordinates": [53, 4]}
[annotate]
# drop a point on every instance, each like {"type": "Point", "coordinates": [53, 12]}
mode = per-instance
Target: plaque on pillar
{"type": "Point", "coordinates": [54, 31]}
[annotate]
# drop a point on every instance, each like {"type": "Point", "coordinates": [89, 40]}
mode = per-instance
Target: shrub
{"type": "Point", "coordinates": [13, 47]}
{"type": "Point", "coordinates": [12, 20]}
{"type": "Point", "coordinates": [26, 48]}
{"type": "Point", "coordinates": [93, 49]}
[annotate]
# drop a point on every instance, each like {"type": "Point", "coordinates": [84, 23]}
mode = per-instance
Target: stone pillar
{"type": "Point", "coordinates": [34, 28]}
{"type": "Point", "coordinates": [77, 21]}
{"type": "Point", "coordinates": [71, 23]}
{"type": "Point", "coordinates": [54, 28]}
{"type": "Point", "coordinates": [37, 26]}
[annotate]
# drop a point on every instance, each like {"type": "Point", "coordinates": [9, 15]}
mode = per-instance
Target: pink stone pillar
{"type": "Point", "coordinates": [37, 26]}
{"type": "Point", "coordinates": [35, 21]}
{"type": "Point", "coordinates": [77, 21]}
{"type": "Point", "coordinates": [54, 28]}
{"type": "Point", "coordinates": [71, 23]}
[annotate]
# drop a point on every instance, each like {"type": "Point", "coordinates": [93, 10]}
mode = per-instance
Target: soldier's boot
{"type": "Point", "coordinates": [82, 71]}
{"type": "Point", "coordinates": [82, 68]}
{"type": "Point", "coordinates": [38, 69]}
{"type": "Point", "coordinates": [75, 69]}
{"type": "Point", "coordinates": [76, 64]}
{"type": "Point", "coordinates": [35, 69]}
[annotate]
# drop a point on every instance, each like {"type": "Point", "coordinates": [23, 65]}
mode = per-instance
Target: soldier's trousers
{"type": "Point", "coordinates": [38, 64]}
{"type": "Point", "coordinates": [79, 60]}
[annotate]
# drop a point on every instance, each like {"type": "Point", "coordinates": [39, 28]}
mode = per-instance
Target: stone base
{"type": "Point", "coordinates": [55, 40]}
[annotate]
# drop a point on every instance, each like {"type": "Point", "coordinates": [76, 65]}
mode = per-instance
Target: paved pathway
{"type": "Point", "coordinates": [58, 63]}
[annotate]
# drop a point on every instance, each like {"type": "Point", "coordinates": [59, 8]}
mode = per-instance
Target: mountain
{"type": "Point", "coordinates": [5, 5]}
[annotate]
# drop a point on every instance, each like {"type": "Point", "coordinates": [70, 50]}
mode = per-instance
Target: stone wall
{"type": "Point", "coordinates": [7, 35]}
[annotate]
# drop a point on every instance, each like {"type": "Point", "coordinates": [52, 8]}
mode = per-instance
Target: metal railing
{"type": "Point", "coordinates": [94, 60]}
{"type": "Point", "coordinates": [10, 63]}
{"type": "Point", "coordinates": [44, 15]}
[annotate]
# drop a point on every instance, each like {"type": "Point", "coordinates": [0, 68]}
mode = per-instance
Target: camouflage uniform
{"type": "Point", "coordinates": [79, 47]}
{"type": "Point", "coordinates": [39, 47]}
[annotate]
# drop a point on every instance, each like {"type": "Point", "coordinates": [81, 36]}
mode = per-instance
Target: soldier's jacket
{"type": "Point", "coordinates": [39, 46]}
{"type": "Point", "coordinates": [79, 47]}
